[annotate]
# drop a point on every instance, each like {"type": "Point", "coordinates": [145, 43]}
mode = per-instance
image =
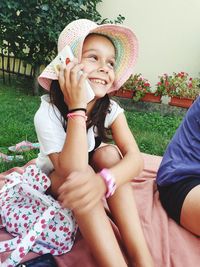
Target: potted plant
{"type": "Point", "coordinates": [136, 87]}
{"type": "Point", "coordinates": [163, 86]}
{"type": "Point", "coordinates": [127, 89]}
{"type": "Point", "coordinates": [142, 90]}
{"type": "Point", "coordinates": [183, 89]}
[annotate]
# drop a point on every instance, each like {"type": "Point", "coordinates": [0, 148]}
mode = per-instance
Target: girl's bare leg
{"type": "Point", "coordinates": [190, 213]}
{"type": "Point", "coordinates": [124, 211]}
{"type": "Point", "coordinates": [98, 233]}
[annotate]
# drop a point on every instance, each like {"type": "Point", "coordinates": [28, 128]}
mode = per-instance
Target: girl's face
{"type": "Point", "coordinates": [98, 57]}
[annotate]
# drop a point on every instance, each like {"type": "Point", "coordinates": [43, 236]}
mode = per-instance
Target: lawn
{"type": "Point", "coordinates": [152, 131]}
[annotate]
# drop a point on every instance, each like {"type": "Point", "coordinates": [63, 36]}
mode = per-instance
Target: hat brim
{"type": "Point", "coordinates": [126, 46]}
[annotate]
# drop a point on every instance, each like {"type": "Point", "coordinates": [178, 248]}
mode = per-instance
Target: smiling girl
{"type": "Point", "coordinates": [72, 133]}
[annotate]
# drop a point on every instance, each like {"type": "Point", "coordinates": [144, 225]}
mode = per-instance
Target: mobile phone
{"type": "Point", "coordinates": [45, 260]}
{"type": "Point", "coordinates": [63, 57]}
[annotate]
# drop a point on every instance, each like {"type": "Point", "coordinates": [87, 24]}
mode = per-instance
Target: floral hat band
{"type": "Point", "coordinates": [74, 34]}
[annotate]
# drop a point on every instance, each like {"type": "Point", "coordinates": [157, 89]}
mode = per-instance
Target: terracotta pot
{"type": "Point", "coordinates": [124, 93]}
{"type": "Point", "coordinates": [151, 97]}
{"type": "Point", "coordinates": [181, 102]}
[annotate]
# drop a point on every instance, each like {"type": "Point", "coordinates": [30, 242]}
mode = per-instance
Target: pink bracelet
{"type": "Point", "coordinates": [75, 114]}
{"type": "Point", "coordinates": [109, 180]}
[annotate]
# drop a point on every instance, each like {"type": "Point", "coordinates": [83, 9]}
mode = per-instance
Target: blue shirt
{"type": "Point", "coordinates": [182, 157]}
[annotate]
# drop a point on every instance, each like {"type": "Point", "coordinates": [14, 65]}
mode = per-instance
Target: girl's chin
{"type": "Point", "coordinates": [100, 92]}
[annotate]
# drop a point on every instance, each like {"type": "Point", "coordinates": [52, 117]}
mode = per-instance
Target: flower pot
{"type": "Point", "coordinates": [181, 102]}
{"type": "Point", "coordinates": [151, 97]}
{"type": "Point", "coordinates": [124, 93]}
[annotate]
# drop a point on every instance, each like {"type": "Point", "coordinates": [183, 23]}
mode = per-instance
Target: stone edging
{"type": "Point", "coordinates": [164, 109]}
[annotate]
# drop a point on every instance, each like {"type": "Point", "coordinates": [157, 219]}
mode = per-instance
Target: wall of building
{"type": "Point", "coordinates": [168, 34]}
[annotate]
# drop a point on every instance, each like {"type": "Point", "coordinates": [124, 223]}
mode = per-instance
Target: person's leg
{"type": "Point", "coordinates": [190, 212]}
{"type": "Point", "coordinates": [98, 233]}
{"type": "Point", "coordinates": [105, 156]}
{"type": "Point", "coordinates": [123, 209]}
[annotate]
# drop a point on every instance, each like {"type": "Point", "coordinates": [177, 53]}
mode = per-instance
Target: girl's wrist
{"type": "Point", "coordinates": [110, 182]}
{"type": "Point", "coordinates": [77, 114]}
{"type": "Point", "coordinates": [77, 110]}
{"type": "Point", "coordinates": [80, 105]}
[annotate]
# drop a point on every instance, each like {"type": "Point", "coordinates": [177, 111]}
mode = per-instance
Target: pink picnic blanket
{"type": "Point", "coordinates": [170, 244]}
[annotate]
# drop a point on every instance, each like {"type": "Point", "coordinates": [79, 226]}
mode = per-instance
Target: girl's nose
{"type": "Point", "coordinates": [103, 67]}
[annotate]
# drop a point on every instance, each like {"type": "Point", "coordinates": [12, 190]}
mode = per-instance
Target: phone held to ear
{"type": "Point", "coordinates": [45, 260]}
{"type": "Point", "coordinates": [64, 57]}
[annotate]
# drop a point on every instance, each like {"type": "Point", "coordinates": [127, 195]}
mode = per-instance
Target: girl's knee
{"type": "Point", "coordinates": [105, 157]}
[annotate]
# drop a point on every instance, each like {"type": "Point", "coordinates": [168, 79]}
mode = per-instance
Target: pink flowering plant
{"type": "Point", "coordinates": [179, 84]}
{"type": "Point", "coordinates": [164, 84]}
{"type": "Point", "coordinates": [140, 86]}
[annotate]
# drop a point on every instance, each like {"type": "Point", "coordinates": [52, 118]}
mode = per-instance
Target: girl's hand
{"type": "Point", "coordinates": [81, 191]}
{"type": "Point", "coordinates": [73, 86]}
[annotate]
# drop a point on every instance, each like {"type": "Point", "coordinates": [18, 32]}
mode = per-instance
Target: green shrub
{"type": "Point", "coordinates": [30, 29]}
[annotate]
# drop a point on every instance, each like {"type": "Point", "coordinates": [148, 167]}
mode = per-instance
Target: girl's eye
{"type": "Point", "coordinates": [111, 64]}
{"type": "Point", "coordinates": [92, 57]}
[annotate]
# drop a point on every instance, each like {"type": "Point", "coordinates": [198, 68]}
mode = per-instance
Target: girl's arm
{"type": "Point", "coordinates": [130, 166]}
{"type": "Point", "coordinates": [132, 162]}
{"type": "Point", "coordinates": [74, 155]}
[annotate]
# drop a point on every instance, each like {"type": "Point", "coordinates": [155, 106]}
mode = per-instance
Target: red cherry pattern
{"type": "Point", "coordinates": [20, 210]}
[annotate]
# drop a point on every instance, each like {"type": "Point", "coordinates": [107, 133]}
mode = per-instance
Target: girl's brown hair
{"type": "Point", "coordinates": [98, 114]}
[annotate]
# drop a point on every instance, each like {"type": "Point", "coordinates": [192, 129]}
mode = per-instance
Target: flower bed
{"type": "Point", "coordinates": [179, 85]}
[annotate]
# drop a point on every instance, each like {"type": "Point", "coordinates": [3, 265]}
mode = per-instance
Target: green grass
{"type": "Point", "coordinates": [17, 110]}
{"type": "Point", "coordinates": [152, 131]}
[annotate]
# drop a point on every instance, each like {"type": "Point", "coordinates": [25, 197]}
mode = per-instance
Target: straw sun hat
{"type": "Point", "coordinates": [74, 34]}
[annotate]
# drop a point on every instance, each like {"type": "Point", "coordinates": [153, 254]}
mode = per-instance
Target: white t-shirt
{"type": "Point", "coordinates": [51, 134]}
